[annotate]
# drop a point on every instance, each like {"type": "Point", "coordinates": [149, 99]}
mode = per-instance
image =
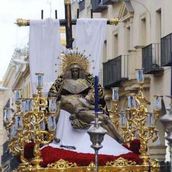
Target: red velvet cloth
{"type": "Point", "coordinates": [51, 155]}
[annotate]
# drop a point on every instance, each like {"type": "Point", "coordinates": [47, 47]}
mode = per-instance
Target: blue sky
{"type": "Point", "coordinates": [12, 36]}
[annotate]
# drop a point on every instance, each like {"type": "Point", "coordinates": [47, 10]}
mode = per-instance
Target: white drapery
{"type": "Point", "coordinates": [79, 139]}
{"type": "Point", "coordinates": [44, 48]}
{"type": "Point", "coordinates": [90, 37]}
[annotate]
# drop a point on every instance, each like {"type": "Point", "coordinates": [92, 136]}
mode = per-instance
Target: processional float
{"type": "Point", "coordinates": [35, 124]}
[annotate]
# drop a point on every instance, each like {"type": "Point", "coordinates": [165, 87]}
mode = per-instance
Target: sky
{"type": "Point", "coordinates": [12, 36]}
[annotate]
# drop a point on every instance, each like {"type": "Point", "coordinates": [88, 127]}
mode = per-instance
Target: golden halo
{"type": "Point", "coordinates": [74, 58]}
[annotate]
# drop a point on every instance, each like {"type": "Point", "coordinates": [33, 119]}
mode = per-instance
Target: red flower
{"type": "Point", "coordinates": [28, 150]}
{"type": "Point", "coordinates": [134, 146]}
{"type": "Point", "coordinates": [51, 155]}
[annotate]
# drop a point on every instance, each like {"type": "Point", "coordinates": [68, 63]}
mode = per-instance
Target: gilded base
{"type": "Point", "coordinates": [119, 165]}
{"type": "Point", "coordinates": [101, 169]}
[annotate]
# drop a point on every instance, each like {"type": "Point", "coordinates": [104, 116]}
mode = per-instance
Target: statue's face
{"type": "Point", "coordinates": [75, 73]}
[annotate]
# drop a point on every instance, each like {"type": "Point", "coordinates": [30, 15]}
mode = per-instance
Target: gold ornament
{"type": "Point", "coordinates": [120, 162]}
{"type": "Point", "coordinates": [62, 164]}
{"type": "Point", "coordinates": [74, 58]}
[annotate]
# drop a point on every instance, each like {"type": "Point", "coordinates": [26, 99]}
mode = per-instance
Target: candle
{"type": "Point", "coordinates": [115, 93]}
{"type": "Point", "coordinates": [96, 95]}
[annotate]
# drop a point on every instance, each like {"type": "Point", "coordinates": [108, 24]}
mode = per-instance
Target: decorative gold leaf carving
{"type": "Point", "coordinates": [69, 59]}
{"type": "Point", "coordinates": [120, 162]}
{"type": "Point", "coordinates": [62, 164]}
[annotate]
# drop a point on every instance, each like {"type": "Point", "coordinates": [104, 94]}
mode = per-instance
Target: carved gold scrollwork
{"type": "Point", "coordinates": [120, 162]}
{"type": "Point", "coordinates": [91, 167]}
{"type": "Point", "coordinates": [62, 164]}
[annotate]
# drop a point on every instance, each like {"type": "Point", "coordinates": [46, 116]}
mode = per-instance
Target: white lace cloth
{"type": "Point", "coordinates": [81, 140]}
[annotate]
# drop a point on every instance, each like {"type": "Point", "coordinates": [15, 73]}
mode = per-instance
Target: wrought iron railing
{"type": "Point", "coordinates": [115, 71]}
{"type": "Point", "coordinates": [107, 2]}
{"type": "Point", "coordinates": [151, 58]}
{"type": "Point", "coordinates": [97, 5]}
{"type": "Point", "coordinates": [166, 50]}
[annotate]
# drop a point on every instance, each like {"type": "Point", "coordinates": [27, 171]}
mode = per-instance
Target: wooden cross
{"type": "Point", "coordinates": [67, 22]}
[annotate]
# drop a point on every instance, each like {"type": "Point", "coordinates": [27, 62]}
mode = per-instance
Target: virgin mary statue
{"type": "Point", "coordinates": [74, 92]}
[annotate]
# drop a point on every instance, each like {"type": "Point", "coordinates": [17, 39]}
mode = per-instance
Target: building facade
{"type": "Point", "coordinates": [141, 39]}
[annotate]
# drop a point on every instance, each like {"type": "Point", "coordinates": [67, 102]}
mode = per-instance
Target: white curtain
{"type": "Point", "coordinates": [90, 37]}
{"type": "Point", "coordinates": [44, 49]}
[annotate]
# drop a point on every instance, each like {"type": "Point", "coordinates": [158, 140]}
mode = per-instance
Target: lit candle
{"type": "Point", "coordinates": [139, 75]}
{"type": "Point", "coordinates": [115, 93]}
{"type": "Point", "coordinates": [96, 95]}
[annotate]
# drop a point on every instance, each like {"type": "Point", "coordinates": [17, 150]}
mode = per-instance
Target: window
{"type": "Point", "coordinates": [116, 45]}
{"type": "Point", "coordinates": [143, 31]}
{"type": "Point", "coordinates": [158, 26]}
{"type": "Point", "coordinates": [105, 50]}
{"type": "Point", "coordinates": [127, 39]}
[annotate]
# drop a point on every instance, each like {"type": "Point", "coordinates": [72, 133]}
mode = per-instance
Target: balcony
{"type": "Point", "coordinates": [151, 60]}
{"type": "Point", "coordinates": [166, 50]}
{"type": "Point", "coordinates": [97, 5]}
{"type": "Point", "coordinates": [107, 2]}
{"type": "Point", "coordinates": [81, 5]}
{"type": "Point", "coordinates": [115, 71]}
